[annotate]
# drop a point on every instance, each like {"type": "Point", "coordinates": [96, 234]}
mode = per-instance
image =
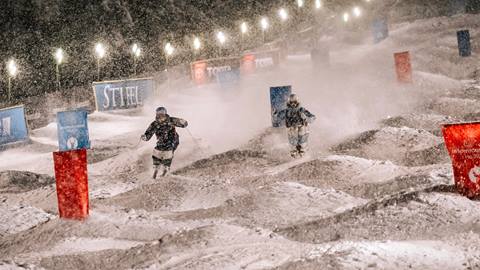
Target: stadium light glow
{"type": "Point", "coordinates": [243, 28]}
{"type": "Point", "coordinates": [318, 4]}
{"type": "Point", "coordinates": [12, 68]}
{"type": "Point", "coordinates": [300, 3]}
{"type": "Point", "coordinates": [100, 50]}
{"type": "Point", "coordinates": [357, 12]}
{"type": "Point", "coordinates": [221, 37]}
{"type": "Point", "coordinates": [59, 56]}
{"type": "Point", "coordinates": [136, 51]}
{"type": "Point", "coordinates": [346, 17]}
{"type": "Point", "coordinates": [169, 49]}
{"type": "Point", "coordinates": [264, 23]}
{"type": "Point", "coordinates": [197, 44]}
{"type": "Point", "coordinates": [283, 14]}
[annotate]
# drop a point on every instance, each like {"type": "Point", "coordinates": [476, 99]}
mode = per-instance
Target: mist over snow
{"type": "Point", "coordinates": [375, 190]}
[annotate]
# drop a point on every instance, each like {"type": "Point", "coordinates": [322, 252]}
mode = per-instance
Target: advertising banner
{"type": "Point", "coordinates": [199, 72]}
{"type": "Point", "coordinates": [248, 64]}
{"type": "Point", "coordinates": [206, 71]}
{"type": "Point", "coordinates": [124, 94]}
{"type": "Point", "coordinates": [463, 145]}
{"type": "Point", "coordinates": [72, 129]}
{"type": "Point", "coordinates": [226, 78]}
{"type": "Point", "coordinates": [72, 183]}
{"type": "Point", "coordinates": [267, 59]}
{"type": "Point", "coordinates": [380, 29]}
{"type": "Point", "coordinates": [403, 67]}
{"type": "Point", "coordinates": [464, 47]}
{"type": "Point", "coordinates": [278, 102]}
{"type": "Point", "coordinates": [13, 126]}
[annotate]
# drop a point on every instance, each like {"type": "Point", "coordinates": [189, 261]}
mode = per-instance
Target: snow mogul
{"type": "Point", "coordinates": [296, 119]}
{"type": "Point", "coordinates": [167, 140]}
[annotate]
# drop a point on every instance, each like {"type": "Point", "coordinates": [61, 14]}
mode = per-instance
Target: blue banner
{"type": "Point", "coordinates": [457, 6]}
{"type": "Point", "coordinates": [380, 29]}
{"type": "Point", "coordinates": [229, 77]}
{"type": "Point", "coordinates": [278, 101]}
{"type": "Point", "coordinates": [464, 47]}
{"type": "Point", "coordinates": [120, 95]}
{"type": "Point", "coordinates": [72, 129]}
{"type": "Point", "coordinates": [13, 127]}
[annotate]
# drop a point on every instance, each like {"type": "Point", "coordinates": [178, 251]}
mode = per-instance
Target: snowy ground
{"type": "Point", "coordinates": [374, 193]}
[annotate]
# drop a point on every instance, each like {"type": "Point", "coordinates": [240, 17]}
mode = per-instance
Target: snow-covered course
{"type": "Point", "coordinates": [375, 191]}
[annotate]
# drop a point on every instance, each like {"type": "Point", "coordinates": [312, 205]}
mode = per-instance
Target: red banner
{"type": "Point", "coordinates": [72, 183]}
{"type": "Point", "coordinates": [463, 144]}
{"type": "Point", "coordinates": [403, 67]}
{"type": "Point", "coordinates": [248, 64]}
{"type": "Point", "coordinates": [199, 72]}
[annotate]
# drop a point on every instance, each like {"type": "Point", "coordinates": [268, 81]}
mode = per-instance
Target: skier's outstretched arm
{"type": "Point", "coordinates": [149, 132]}
{"type": "Point", "coordinates": [310, 116]}
{"type": "Point", "coordinates": [179, 122]}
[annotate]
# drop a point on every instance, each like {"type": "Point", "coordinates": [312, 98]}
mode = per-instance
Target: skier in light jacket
{"type": "Point", "coordinates": [296, 119]}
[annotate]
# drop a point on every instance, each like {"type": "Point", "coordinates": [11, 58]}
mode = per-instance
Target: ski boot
{"type": "Point", "coordinates": [301, 151]}
{"type": "Point", "coordinates": [294, 153]}
{"type": "Point", "coordinates": [166, 171]}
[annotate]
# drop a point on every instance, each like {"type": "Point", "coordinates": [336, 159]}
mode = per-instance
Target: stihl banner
{"type": "Point", "coordinates": [123, 94]}
{"type": "Point", "coordinates": [72, 183]}
{"type": "Point", "coordinates": [403, 67]}
{"type": "Point", "coordinates": [463, 144]}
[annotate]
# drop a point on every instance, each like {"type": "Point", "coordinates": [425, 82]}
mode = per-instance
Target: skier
{"type": "Point", "coordinates": [296, 119]}
{"type": "Point", "coordinates": [167, 140]}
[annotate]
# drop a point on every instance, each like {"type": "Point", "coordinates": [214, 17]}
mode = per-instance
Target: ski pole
{"type": "Point", "coordinates": [195, 141]}
{"type": "Point", "coordinates": [139, 141]}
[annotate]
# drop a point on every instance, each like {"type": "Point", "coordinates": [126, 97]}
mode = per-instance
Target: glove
{"type": "Point", "coordinates": [143, 137]}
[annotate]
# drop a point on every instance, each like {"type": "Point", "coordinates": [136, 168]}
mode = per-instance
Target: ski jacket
{"type": "Point", "coordinates": [167, 136]}
{"type": "Point", "coordinates": [296, 116]}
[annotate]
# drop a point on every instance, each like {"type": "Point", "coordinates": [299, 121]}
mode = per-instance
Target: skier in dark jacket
{"type": "Point", "coordinates": [167, 140]}
{"type": "Point", "coordinates": [296, 119]}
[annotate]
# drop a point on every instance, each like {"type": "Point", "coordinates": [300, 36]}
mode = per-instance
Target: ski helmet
{"type": "Point", "coordinates": [293, 100]}
{"type": "Point", "coordinates": [161, 110]}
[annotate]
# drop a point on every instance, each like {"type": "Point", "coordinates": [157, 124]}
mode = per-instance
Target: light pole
{"type": "Point", "coordinates": [221, 39]}
{"type": "Point", "coordinates": [197, 45]}
{"type": "Point", "coordinates": [136, 51]}
{"type": "Point", "coordinates": [58, 60]}
{"type": "Point", "coordinates": [264, 25]}
{"type": "Point", "coordinates": [169, 50]}
{"type": "Point", "coordinates": [100, 52]}
{"type": "Point", "coordinates": [283, 14]}
{"type": "Point", "coordinates": [243, 31]}
{"type": "Point", "coordinates": [318, 4]}
{"type": "Point", "coordinates": [12, 72]}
